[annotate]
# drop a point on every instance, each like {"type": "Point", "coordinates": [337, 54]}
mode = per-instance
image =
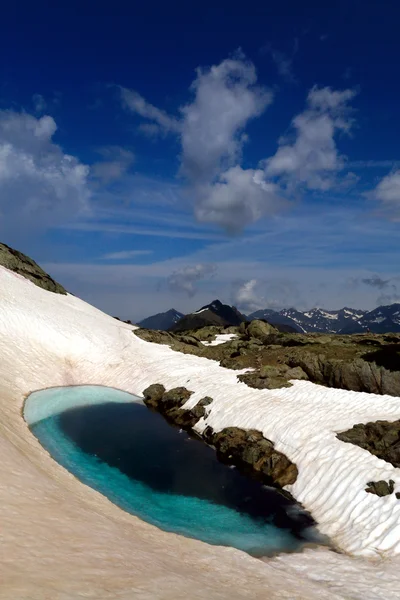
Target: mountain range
{"type": "Point", "coordinates": [383, 319]}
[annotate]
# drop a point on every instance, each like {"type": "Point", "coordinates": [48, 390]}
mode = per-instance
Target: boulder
{"type": "Point", "coordinates": [153, 394]}
{"type": "Point", "coordinates": [380, 488]}
{"type": "Point", "coordinates": [255, 380]}
{"type": "Point", "coordinates": [259, 329]}
{"type": "Point", "coordinates": [254, 455]}
{"type": "Point", "coordinates": [380, 438]}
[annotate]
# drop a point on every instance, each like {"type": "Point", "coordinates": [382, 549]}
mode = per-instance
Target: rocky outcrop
{"type": "Point", "coordinates": [248, 450]}
{"type": "Point", "coordinates": [359, 374]}
{"type": "Point", "coordinates": [25, 266]}
{"type": "Point", "coordinates": [381, 438]}
{"type": "Point", "coordinates": [272, 377]}
{"type": "Point", "coordinates": [362, 363]}
{"type": "Point", "coordinates": [252, 454]}
{"type": "Point", "coordinates": [170, 403]}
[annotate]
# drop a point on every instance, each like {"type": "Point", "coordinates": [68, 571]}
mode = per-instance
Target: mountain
{"type": "Point", "coordinates": [215, 313]}
{"type": "Point", "coordinates": [162, 321]}
{"type": "Point", "coordinates": [383, 319]}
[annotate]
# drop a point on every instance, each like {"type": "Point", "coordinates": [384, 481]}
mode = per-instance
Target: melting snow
{"type": "Point", "coordinates": [52, 526]}
{"type": "Point", "coordinates": [221, 339]}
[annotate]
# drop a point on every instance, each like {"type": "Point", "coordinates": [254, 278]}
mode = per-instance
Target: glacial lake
{"type": "Point", "coordinates": [113, 443]}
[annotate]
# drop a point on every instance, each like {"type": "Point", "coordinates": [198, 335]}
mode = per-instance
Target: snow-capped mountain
{"type": "Point", "coordinates": [214, 313]}
{"type": "Point", "coordinates": [346, 320]}
{"type": "Point", "coordinates": [162, 321]}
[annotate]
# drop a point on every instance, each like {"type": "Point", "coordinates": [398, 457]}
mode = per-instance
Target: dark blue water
{"type": "Point", "coordinates": [150, 469]}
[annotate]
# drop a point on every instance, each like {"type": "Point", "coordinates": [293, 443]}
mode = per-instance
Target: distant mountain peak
{"type": "Point", "coordinates": [215, 313]}
{"type": "Point", "coordinates": [162, 321]}
{"type": "Point", "coordinates": [383, 319]}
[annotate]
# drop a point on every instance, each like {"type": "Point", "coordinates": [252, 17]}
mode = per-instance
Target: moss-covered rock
{"type": "Point", "coordinates": [23, 265]}
{"type": "Point", "coordinates": [381, 438]}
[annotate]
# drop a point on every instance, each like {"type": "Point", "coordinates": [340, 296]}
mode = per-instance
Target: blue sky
{"type": "Point", "coordinates": [163, 155]}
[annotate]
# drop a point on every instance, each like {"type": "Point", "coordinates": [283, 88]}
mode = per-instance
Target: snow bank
{"type": "Point", "coordinates": [57, 534]}
{"type": "Point", "coordinates": [221, 339]}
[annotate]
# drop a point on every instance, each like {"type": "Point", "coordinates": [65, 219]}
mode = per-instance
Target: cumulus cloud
{"type": "Point", "coordinates": [211, 129]}
{"type": "Point", "coordinates": [239, 196]}
{"type": "Point", "coordinates": [212, 133]}
{"type": "Point", "coordinates": [185, 279]}
{"type": "Point", "coordinates": [226, 97]}
{"type": "Point", "coordinates": [388, 190]}
{"type": "Point", "coordinates": [273, 292]}
{"type": "Point", "coordinates": [39, 184]}
{"type": "Point", "coordinates": [117, 161]}
{"type": "Point", "coordinates": [312, 159]}
{"type": "Point", "coordinates": [246, 296]}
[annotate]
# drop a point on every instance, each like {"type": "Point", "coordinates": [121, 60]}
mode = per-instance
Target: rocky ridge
{"type": "Point", "coordinates": [23, 265]}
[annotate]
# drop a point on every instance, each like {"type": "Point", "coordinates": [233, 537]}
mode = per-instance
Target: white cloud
{"type": "Point", "coordinates": [39, 184]}
{"type": "Point", "coordinates": [226, 97]}
{"type": "Point", "coordinates": [185, 278]}
{"type": "Point", "coordinates": [237, 198]}
{"type": "Point", "coordinates": [117, 162]}
{"type": "Point", "coordinates": [313, 160]}
{"type": "Point", "coordinates": [137, 104]}
{"type": "Point", "coordinates": [125, 254]}
{"type": "Point", "coordinates": [388, 190]}
{"type": "Point", "coordinates": [211, 130]}
{"type": "Point", "coordinates": [246, 296]}
{"type": "Point", "coordinates": [212, 127]}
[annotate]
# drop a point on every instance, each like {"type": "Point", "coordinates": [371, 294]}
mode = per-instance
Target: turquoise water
{"type": "Point", "coordinates": [150, 469]}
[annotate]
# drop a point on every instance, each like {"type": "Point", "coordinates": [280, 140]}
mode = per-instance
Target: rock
{"type": "Point", "coordinates": [259, 329]}
{"type": "Point", "coordinates": [380, 488]}
{"type": "Point", "coordinates": [176, 397]}
{"type": "Point", "coordinates": [380, 438]}
{"type": "Point", "coordinates": [265, 382]}
{"type": "Point", "coordinates": [248, 450]}
{"type": "Point", "coordinates": [296, 373]}
{"type": "Point", "coordinates": [191, 340]}
{"type": "Point", "coordinates": [153, 394]}
{"type": "Point", "coordinates": [358, 374]}
{"type": "Point", "coordinates": [272, 371]}
{"type": "Point", "coordinates": [253, 455]}
{"type": "Point", "coordinates": [23, 265]}
{"type": "Point", "coordinates": [198, 411]}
